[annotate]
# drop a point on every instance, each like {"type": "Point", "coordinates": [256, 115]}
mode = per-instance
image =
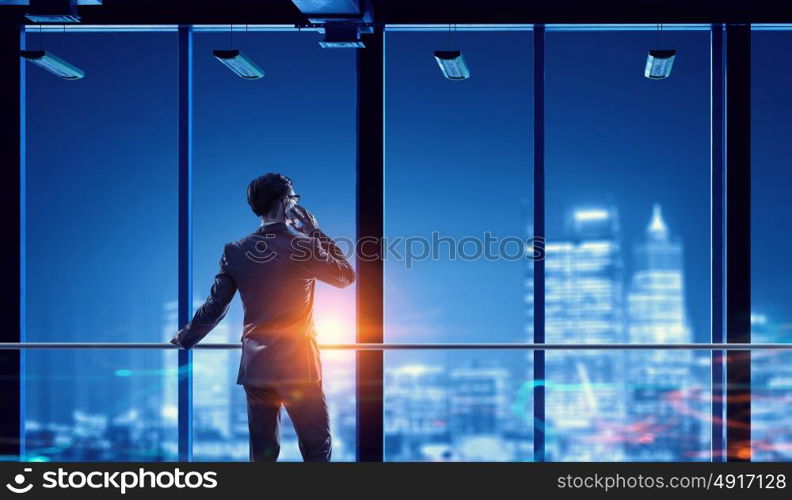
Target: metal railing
{"type": "Point", "coordinates": [412, 346]}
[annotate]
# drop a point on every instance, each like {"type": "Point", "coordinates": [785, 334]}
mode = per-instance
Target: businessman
{"type": "Point", "coordinates": [275, 269]}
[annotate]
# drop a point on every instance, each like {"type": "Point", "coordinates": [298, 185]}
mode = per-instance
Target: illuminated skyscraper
{"type": "Point", "coordinates": [584, 303]}
{"type": "Point", "coordinates": [479, 399]}
{"type": "Point", "coordinates": [463, 413]}
{"type": "Point", "coordinates": [416, 412]}
{"type": "Point", "coordinates": [620, 405]}
{"type": "Point", "coordinates": [479, 412]}
{"type": "Point", "coordinates": [664, 395]}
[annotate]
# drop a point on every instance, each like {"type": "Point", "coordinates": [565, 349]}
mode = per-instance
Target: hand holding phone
{"type": "Point", "coordinates": [291, 218]}
{"type": "Point", "coordinates": [308, 222]}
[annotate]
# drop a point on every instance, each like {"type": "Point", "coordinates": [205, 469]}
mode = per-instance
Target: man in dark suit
{"type": "Point", "coordinates": [275, 269]}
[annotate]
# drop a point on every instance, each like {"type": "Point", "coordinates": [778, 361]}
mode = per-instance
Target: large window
{"type": "Point", "coordinates": [458, 189]}
{"type": "Point", "coordinates": [628, 249]}
{"type": "Point", "coordinates": [771, 222]}
{"type": "Point", "coordinates": [100, 405]}
{"type": "Point", "coordinates": [100, 240]}
{"type": "Point", "coordinates": [299, 120]}
{"type": "Point", "coordinates": [627, 253]}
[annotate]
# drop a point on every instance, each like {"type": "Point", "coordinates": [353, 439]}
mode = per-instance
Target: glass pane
{"type": "Point", "coordinates": [96, 405]}
{"type": "Point", "coordinates": [659, 410]}
{"type": "Point", "coordinates": [771, 223]}
{"type": "Point", "coordinates": [628, 248]}
{"type": "Point", "coordinates": [220, 409]}
{"type": "Point", "coordinates": [771, 399]}
{"type": "Point", "coordinates": [100, 232]}
{"type": "Point", "coordinates": [458, 188]}
{"type": "Point", "coordinates": [471, 406]}
{"type": "Point", "coordinates": [100, 244]}
{"type": "Point", "coordinates": [298, 120]}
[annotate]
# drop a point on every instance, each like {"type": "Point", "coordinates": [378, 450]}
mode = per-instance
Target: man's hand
{"type": "Point", "coordinates": [175, 340]}
{"type": "Point", "coordinates": [306, 218]}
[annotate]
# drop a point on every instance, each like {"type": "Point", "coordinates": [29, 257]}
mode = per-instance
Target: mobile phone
{"type": "Point", "coordinates": [291, 214]}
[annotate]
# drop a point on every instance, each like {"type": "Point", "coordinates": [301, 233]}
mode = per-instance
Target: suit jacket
{"type": "Point", "coordinates": [274, 270]}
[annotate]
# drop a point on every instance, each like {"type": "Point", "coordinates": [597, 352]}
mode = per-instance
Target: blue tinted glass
{"type": "Point", "coordinates": [100, 245]}
{"type": "Point", "coordinates": [458, 199]}
{"type": "Point", "coordinates": [771, 222]}
{"type": "Point", "coordinates": [101, 188]}
{"type": "Point", "coordinates": [220, 409]}
{"type": "Point", "coordinates": [449, 406]}
{"type": "Point", "coordinates": [299, 119]}
{"type": "Point", "coordinates": [94, 405]}
{"type": "Point", "coordinates": [627, 252]}
{"type": "Point", "coordinates": [458, 187]}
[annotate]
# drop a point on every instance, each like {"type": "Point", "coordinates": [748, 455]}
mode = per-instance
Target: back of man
{"type": "Point", "coordinates": [275, 269]}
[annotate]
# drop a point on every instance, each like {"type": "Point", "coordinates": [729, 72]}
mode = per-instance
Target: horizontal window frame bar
{"type": "Point", "coordinates": [163, 28]}
{"type": "Point", "coordinates": [102, 28]}
{"type": "Point", "coordinates": [417, 346]}
{"type": "Point", "coordinates": [225, 28]}
{"type": "Point", "coordinates": [565, 27]}
{"type": "Point", "coordinates": [771, 27]}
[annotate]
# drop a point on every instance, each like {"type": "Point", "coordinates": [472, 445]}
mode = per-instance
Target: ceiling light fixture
{"type": "Point", "coordinates": [451, 62]}
{"type": "Point", "coordinates": [659, 62]}
{"type": "Point", "coordinates": [340, 21]}
{"type": "Point", "coordinates": [238, 62]}
{"type": "Point", "coordinates": [53, 64]}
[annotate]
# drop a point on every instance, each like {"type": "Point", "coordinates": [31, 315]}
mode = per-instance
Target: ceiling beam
{"type": "Point", "coordinates": [434, 12]}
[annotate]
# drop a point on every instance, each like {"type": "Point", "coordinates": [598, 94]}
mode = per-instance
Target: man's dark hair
{"type": "Point", "coordinates": [264, 191]}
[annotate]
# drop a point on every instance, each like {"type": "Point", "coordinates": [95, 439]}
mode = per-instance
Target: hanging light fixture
{"type": "Point", "coordinates": [53, 64]}
{"type": "Point", "coordinates": [451, 62]}
{"type": "Point", "coordinates": [659, 62]}
{"type": "Point", "coordinates": [239, 63]}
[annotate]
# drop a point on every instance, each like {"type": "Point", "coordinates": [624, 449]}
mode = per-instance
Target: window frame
{"type": "Point", "coordinates": [730, 228]}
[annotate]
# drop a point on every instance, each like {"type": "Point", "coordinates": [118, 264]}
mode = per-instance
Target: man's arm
{"type": "Point", "coordinates": [329, 263]}
{"type": "Point", "coordinates": [212, 311]}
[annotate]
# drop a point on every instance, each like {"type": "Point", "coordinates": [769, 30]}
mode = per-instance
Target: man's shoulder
{"type": "Point", "coordinates": [253, 239]}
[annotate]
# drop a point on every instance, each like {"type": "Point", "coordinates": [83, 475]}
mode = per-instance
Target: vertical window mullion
{"type": "Point", "coordinates": [539, 235]}
{"type": "Point", "coordinates": [185, 236]}
{"type": "Point", "coordinates": [717, 192]}
{"type": "Point", "coordinates": [369, 255]}
{"type": "Point", "coordinates": [738, 240]}
{"type": "Point", "coordinates": [12, 148]}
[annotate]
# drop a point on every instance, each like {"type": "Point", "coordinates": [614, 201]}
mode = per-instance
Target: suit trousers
{"type": "Point", "coordinates": [307, 407]}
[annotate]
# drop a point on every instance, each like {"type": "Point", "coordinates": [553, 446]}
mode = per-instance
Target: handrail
{"type": "Point", "coordinates": [411, 346]}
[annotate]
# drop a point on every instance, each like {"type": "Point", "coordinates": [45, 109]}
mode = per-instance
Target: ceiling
{"type": "Point", "coordinates": [433, 11]}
